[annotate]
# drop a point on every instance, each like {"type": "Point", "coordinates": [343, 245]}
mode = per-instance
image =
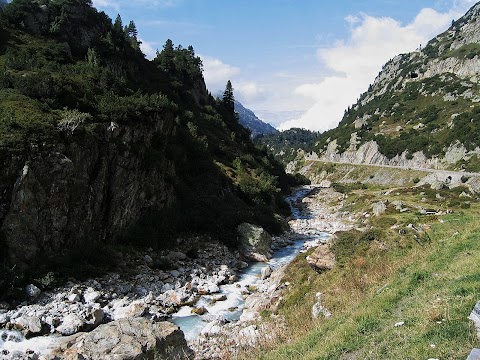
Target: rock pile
{"type": "Point", "coordinates": [148, 290]}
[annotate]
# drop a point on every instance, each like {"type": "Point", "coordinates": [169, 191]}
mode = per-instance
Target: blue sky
{"type": "Point", "coordinates": [294, 62]}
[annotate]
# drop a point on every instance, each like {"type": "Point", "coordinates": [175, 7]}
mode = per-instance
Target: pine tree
{"type": "Point", "coordinates": [166, 56]}
{"type": "Point", "coordinates": [228, 98]}
{"type": "Point", "coordinates": [131, 29]}
{"type": "Point", "coordinates": [118, 25]}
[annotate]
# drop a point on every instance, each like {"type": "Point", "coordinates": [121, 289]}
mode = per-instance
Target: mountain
{"type": "Point", "coordinates": [252, 122]}
{"type": "Point", "coordinates": [422, 110]}
{"type": "Point", "coordinates": [99, 145]}
{"type": "Point", "coordinates": [284, 145]}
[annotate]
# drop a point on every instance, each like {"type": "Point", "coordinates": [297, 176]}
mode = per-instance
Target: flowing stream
{"type": "Point", "coordinates": [232, 308]}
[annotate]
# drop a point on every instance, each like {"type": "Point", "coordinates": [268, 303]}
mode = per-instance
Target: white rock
{"type": "Point", "coordinates": [91, 296]}
{"type": "Point", "coordinates": [74, 297]}
{"type": "Point", "coordinates": [318, 309]}
{"type": "Point", "coordinates": [28, 324]}
{"type": "Point", "coordinates": [70, 325]}
{"type": "Point", "coordinates": [248, 335]}
{"type": "Point", "coordinates": [213, 288]}
{"type": "Point", "coordinates": [212, 328]}
{"type": "Point", "coordinates": [266, 272]}
{"type": "Point", "coordinates": [134, 310]}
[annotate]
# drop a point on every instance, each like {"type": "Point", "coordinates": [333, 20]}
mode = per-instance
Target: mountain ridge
{"type": "Point", "coordinates": [251, 121]}
{"type": "Point", "coordinates": [422, 110]}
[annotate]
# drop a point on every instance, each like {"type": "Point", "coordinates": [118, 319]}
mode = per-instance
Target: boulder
{"type": "Point", "coordinates": [379, 208]}
{"type": "Point", "coordinates": [199, 311]}
{"type": "Point", "coordinates": [322, 258]}
{"type": "Point", "coordinates": [177, 255]}
{"type": "Point", "coordinates": [325, 184]}
{"type": "Point", "coordinates": [28, 325]}
{"type": "Point", "coordinates": [91, 296]}
{"type": "Point", "coordinates": [212, 328]}
{"type": "Point", "coordinates": [136, 339]}
{"type": "Point", "coordinates": [240, 265]}
{"type": "Point", "coordinates": [318, 309]}
{"type": "Point", "coordinates": [474, 355]}
{"type": "Point", "coordinates": [32, 291]}
{"type": "Point", "coordinates": [135, 309]}
{"type": "Point", "coordinates": [254, 239]}
{"type": "Point", "coordinates": [71, 324]}
{"type": "Point", "coordinates": [266, 272]}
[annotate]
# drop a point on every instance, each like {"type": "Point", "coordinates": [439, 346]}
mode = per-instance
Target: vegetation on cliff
{"type": "Point", "coordinates": [426, 100]}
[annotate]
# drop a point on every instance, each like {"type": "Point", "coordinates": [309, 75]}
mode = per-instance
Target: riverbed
{"type": "Point", "coordinates": [231, 309]}
{"type": "Point", "coordinates": [153, 293]}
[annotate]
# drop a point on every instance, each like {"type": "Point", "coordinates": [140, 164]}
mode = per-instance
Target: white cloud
{"type": "Point", "coordinates": [148, 48]}
{"type": "Point", "coordinates": [354, 62]}
{"type": "Point", "coordinates": [217, 73]}
{"type": "Point", "coordinates": [117, 4]}
{"type": "Point", "coordinates": [249, 92]}
{"type": "Point", "coordinates": [106, 4]}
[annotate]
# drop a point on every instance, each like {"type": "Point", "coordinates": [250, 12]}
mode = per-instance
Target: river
{"type": "Point", "coordinates": [231, 309]}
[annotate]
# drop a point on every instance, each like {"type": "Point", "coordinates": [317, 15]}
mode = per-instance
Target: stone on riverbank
{"type": "Point", "coordinates": [322, 258]}
{"type": "Point", "coordinates": [256, 242]}
{"type": "Point", "coordinates": [475, 317]}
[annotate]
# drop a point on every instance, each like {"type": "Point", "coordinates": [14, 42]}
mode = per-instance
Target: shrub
{"type": "Point", "coordinates": [72, 119]}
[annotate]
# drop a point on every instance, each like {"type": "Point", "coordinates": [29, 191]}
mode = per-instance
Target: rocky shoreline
{"type": "Point", "coordinates": [54, 321]}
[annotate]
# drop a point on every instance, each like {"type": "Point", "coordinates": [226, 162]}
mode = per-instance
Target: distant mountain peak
{"type": "Point", "coordinates": [251, 121]}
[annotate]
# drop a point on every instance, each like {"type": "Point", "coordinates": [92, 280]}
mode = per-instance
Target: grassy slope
{"type": "Point", "coordinates": [429, 282]}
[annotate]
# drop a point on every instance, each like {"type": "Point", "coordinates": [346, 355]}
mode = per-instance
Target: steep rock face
{"type": "Point", "coordinates": [421, 110]}
{"type": "Point", "coordinates": [369, 153]}
{"type": "Point", "coordinates": [82, 191]}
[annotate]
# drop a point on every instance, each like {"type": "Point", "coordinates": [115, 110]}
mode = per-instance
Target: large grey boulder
{"type": "Point", "coordinates": [255, 241]}
{"type": "Point", "coordinates": [28, 325]}
{"type": "Point", "coordinates": [128, 339]}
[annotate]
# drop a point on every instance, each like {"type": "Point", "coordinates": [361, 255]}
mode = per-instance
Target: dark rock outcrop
{"type": "Point", "coordinates": [84, 190]}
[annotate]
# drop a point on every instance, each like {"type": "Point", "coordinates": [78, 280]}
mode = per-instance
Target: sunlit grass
{"type": "Point", "coordinates": [431, 285]}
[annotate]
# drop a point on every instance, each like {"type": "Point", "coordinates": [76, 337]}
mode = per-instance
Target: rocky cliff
{"type": "Point", "coordinates": [83, 191]}
{"type": "Point", "coordinates": [422, 109]}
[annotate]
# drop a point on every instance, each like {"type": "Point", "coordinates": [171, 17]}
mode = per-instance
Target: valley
{"type": "Point", "coordinates": [141, 217]}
